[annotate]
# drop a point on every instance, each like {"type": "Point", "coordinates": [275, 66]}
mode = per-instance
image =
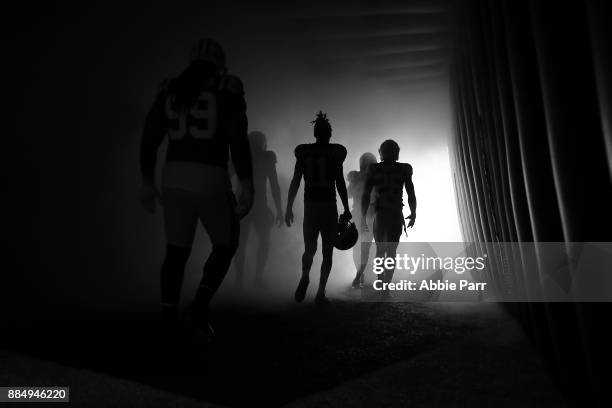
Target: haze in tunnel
{"type": "Point", "coordinates": [374, 86]}
{"type": "Point", "coordinates": [526, 155]}
{"type": "Point", "coordinates": [373, 79]}
{"type": "Point", "coordinates": [379, 71]}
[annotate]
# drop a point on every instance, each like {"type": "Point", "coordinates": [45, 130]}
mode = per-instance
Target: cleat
{"type": "Point", "coordinates": [198, 325]}
{"type": "Point", "coordinates": [321, 300]}
{"type": "Point", "coordinates": [300, 292]}
{"type": "Point", "coordinates": [358, 282]}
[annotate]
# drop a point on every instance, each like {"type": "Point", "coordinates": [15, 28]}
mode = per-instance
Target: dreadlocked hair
{"type": "Point", "coordinates": [322, 127]}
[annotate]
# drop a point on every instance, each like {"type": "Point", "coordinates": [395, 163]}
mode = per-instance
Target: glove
{"type": "Point", "coordinates": [412, 218]}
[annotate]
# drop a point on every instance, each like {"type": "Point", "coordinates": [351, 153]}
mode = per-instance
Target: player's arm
{"type": "Point", "coordinates": [152, 135]}
{"type": "Point", "coordinates": [275, 190]}
{"type": "Point", "coordinates": [341, 186]}
{"type": "Point", "coordinates": [367, 192]}
{"type": "Point", "coordinates": [411, 195]}
{"type": "Point", "coordinates": [340, 154]}
{"type": "Point", "coordinates": [239, 145]}
{"type": "Point", "coordinates": [298, 172]}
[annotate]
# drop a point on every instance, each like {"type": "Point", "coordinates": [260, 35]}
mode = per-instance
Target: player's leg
{"type": "Point", "coordinates": [381, 237]}
{"type": "Point", "coordinates": [327, 220]}
{"type": "Point", "coordinates": [365, 254]}
{"type": "Point", "coordinates": [263, 228]}
{"type": "Point", "coordinates": [357, 248]}
{"type": "Point", "coordinates": [357, 258]}
{"type": "Point", "coordinates": [357, 255]}
{"type": "Point", "coordinates": [394, 228]}
{"type": "Point", "coordinates": [239, 259]}
{"type": "Point", "coordinates": [311, 233]}
{"type": "Point", "coordinates": [180, 221]}
{"type": "Point", "coordinates": [365, 243]}
{"type": "Point", "coordinates": [378, 229]}
{"type": "Point", "coordinates": [218, 216]}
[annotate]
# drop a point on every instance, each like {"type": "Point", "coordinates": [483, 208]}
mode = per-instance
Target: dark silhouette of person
{"type": "Point", "coordinates": [260, 219]}
{"type": "Point", "coordinates": [356, 187]}
{"type": "Point", "coordinates": [388, 178]}
{"type": "Point", "coordinates": [203, 114]}
{"type": "Point", "coordinates": [320, 164]}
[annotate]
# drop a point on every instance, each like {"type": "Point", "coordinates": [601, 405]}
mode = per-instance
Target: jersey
{"type": "Point", "coordinates": [200, 137]}
{"type": "Point", "coordinates": [320, 164]}
{"type": "Point", "coordinates": [388, 181]}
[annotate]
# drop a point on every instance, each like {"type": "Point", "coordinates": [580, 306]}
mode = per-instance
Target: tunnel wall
{"type": "Point", "coordinates": [532, 156]}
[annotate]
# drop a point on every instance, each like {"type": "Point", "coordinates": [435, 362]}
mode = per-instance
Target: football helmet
{"type": "Point", "coordinates": [389, 150]}
{"type": "Point", "coordinates": [346, 234]}
{"type": "Point", "coordinates": [208, 50]}
{"type": "Point", "coordinates": [365, 160]}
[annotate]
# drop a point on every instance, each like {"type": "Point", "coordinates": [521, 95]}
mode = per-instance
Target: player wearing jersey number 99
{"type": "Point", "coordinates": [203, 114]}
{"type": "Point", "coordinates": [200, 121]}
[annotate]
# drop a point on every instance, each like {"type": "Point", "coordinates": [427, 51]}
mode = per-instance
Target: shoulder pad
{"type": "Point", "coordinates": [231, 84]}
{"type": "Point", "coordinates": [339, 151]}
{"type": "Point", "coordinates": [407, 168]}
{"type": "Point", "coordinates": [300, 150]}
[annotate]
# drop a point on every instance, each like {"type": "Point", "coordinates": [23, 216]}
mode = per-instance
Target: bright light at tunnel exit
{"type": "Point", "coordinates": [437, 218]}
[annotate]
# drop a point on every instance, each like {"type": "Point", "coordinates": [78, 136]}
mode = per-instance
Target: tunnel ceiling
{"type": "Point", "coordinates": [402, 43]}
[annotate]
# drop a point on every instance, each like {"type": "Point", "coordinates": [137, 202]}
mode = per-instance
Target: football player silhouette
{"type": "Point", "coordinates": [203, 114]}
{"type": "Point", "coordinates": [356, 186]}
{"type": "Point", "coordinates": [388, 178]}
{"type": "Point", "coordinates": [320, 164]}
{"type": "Point", "coordinates": [260, 219]}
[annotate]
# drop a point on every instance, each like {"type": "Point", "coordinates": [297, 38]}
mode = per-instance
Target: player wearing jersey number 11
{"type": "Point", "coordinates": [320, 164]}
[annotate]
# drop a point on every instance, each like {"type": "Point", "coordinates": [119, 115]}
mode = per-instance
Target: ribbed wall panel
{"type": "Point", "coordinates": [532, 155]}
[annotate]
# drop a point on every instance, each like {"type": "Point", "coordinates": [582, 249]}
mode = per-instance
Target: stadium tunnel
{"type": "Point", "coordinates": [531, 143]}
{"type": "Point", "coordinates": [530, 148]}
